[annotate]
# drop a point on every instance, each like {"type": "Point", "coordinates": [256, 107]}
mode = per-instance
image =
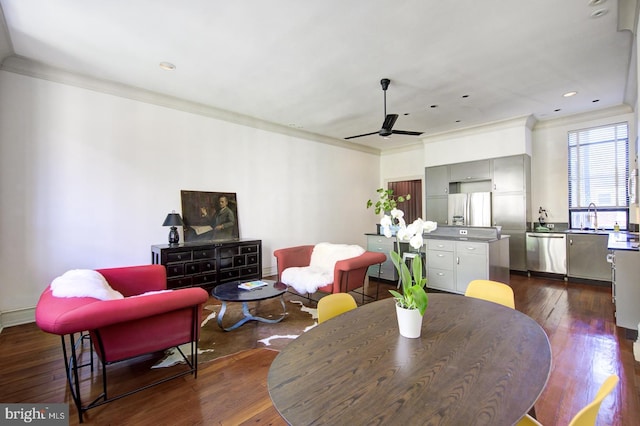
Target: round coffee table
{"type": "Point", "coordinates": [230, 292]}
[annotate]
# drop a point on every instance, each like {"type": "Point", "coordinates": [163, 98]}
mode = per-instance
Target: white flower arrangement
{"type": "Point", "coordinates": [414, 295]}
{"type": "Point", "coordinates": [412, 233]}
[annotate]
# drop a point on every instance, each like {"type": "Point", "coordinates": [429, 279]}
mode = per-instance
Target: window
{"type": "Point", "coordinates": [598, 174]}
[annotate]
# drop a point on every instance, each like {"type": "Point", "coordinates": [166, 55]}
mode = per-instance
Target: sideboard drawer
{"type": "Point", "coordinates": [208, 265]}
{"type": "Point", "coordinates": [204, 279]}
{"type": "Point", "coordinates": [179, 282]}
{"type": "Point", "coordinates": [204, 254]}
{"type": "Point", "coordinates": [180, 256]}
{"type": "Point", "coordinates": [248, 249]}
{"type": "Point", "coordinates": [175, 270]}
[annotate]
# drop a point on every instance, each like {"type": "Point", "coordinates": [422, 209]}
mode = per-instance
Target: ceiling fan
{"type": "Point", "coordinates": [389, 119]}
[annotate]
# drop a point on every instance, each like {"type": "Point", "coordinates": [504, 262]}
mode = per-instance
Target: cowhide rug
{"type": "Point", "coordinates": [216, 343]}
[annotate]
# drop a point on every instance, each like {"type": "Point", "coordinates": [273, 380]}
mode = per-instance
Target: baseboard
{"type": "Point", "coordinates": [269, 271]}
{"type": "Point", "coordinates": [17, 317]}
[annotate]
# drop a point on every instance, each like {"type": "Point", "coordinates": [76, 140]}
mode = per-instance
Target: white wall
{"type": "Point", "coordinates": [549, 176]}
{"type": "Point", "coordinates": [404, 164]}
{"type": "Point", "coordinates": [87, 178]}
{"type": "Point", "coordinates": [509, 137]}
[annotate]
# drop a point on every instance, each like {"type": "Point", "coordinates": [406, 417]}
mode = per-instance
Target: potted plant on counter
{"type": "Point", "coordinates": [386, 203]}
{"type": "Point", "coordinates": [412, 303]}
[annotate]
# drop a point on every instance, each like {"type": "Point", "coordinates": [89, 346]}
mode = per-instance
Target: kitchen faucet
{"type": "Point", "coordinates": [595, 215]}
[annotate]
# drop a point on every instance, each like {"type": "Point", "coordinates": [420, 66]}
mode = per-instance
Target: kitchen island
{"type": "Point", "coordinates": [454, 256]}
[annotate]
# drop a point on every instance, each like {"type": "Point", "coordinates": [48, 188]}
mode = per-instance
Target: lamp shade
{"type": "Point", "coordinates": [173, 219]}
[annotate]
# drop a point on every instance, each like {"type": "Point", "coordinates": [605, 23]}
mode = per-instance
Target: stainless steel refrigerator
{"type": "Point", "coordinates": [470, 209]}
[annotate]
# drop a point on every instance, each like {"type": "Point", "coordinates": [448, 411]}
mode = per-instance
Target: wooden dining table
{"type": "Point", "coordinates": [475, 363]}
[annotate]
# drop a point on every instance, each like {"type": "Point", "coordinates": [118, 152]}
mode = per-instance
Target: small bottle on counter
{"type": "Point", "coordinates": [616, 227]}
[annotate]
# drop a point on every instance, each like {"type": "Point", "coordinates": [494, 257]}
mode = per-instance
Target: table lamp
{"type": "Point", "coordinates": [173, 220]}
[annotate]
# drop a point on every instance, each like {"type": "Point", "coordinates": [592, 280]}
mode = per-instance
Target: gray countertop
{"type": "Point", "coordinates": [623, 241]}
{"type": "Point", "coordinates": [461, 233]}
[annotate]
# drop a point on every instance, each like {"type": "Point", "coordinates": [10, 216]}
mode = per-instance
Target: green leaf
{"type": "Point", "coordinates": [420, 297]}
{"type": "Point", "coordinates": [414, 295]}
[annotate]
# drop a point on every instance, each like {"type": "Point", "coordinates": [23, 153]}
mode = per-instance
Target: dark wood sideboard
{"type": "Point", "coordinates": [209, 263]}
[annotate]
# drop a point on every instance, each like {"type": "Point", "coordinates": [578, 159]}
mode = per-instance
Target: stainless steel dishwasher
{"type": "Point", "coordinates": [547, 252]}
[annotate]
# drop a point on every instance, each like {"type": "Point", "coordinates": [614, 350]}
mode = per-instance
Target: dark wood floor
{"type": "Point", "coordinates": [578, 319]}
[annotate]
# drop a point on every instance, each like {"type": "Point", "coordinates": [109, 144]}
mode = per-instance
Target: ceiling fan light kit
{"type": "Point", "coordinates": [389, 119]}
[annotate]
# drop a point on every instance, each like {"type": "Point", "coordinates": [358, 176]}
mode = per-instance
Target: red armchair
{"type": "Point", "coordinates": [124, 328]}
{"type": "Point", "coordinates": [348, 274]}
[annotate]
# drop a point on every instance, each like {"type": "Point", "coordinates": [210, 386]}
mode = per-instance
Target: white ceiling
{"type": "Point", "coordinates": [316, 65]}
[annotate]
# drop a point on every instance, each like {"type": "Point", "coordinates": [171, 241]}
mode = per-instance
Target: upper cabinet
{"type": "Point", "coordinates": [511, 174]}
{"type": "Point", "coordinates": [436, 181]}
{"type": "Point", "coordinates": [470, 171]}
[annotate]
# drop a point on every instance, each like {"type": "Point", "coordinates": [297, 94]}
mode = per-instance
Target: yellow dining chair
{"type": "Point", "coordinates": [333, 305]}
{"type": "Point", "coordinates": [492, 291]}
{"type": "Point", "coordinates": [588, 415]}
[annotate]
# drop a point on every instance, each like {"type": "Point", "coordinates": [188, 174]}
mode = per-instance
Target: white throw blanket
{"type": "Point", "coordinates": [319, 273]}
{"type": "Point", "coordinates": [83, 283]}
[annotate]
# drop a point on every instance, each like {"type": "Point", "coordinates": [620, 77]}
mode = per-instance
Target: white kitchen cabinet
{"type": "Point", "coordinates": [436, 182]}
{"type": "Point", "coordinates": [452, 264]}
{"type": "Point", "coordinates": [511, 203]}
{"type": "Point", "coordinates": [436, 191]}
{"type": "Point", "coordinates": [470, 171]}
{"type": "Point", "coordinates": [587, 256]}
{"type": "Point", "coordinates": [510, 174]}
{"type": "Point", "coordinates": [471, 264]}
{"type": "Point", "coordinates": [626, 288]}
{"type": "Point", "coordinates": [382, 244]}
{"type": "Point", "coordinates": [440, 265]}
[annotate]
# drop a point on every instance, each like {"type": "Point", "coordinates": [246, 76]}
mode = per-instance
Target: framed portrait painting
{"type": "Point", "coordinates": [209, 215]}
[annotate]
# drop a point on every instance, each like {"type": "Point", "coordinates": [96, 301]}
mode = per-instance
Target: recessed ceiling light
{"type": "Point", "coordinates": [596, 2]}
{"type": "Point", "coordinates": [599, 13]}
{"type": "Point", "coordinates": [570, 94]}
{"type": "Point", "coordinates": [167, 66]}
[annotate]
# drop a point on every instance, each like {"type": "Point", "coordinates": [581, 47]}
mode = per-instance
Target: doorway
{"type": "Point", "coordinates": [412, 208]}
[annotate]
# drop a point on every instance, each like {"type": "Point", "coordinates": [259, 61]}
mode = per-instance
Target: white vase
{"type": "Point", "coordinates": [409, 322]}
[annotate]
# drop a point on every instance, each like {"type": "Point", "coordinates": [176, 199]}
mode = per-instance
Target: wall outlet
{"type": "Point", "coordinates": [550, 225]}
{"type": "Point", "coordinates": [463, 232]}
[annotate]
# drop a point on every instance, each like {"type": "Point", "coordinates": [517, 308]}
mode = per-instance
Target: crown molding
{"type": "Point", "coordinates": [24, 66]}
{"type": "Point", "coordinates": [404, 148]}
{"type": "Point", "coordinates": [523, 121]}
{"type": "Point", "coordinates": [585, 116]}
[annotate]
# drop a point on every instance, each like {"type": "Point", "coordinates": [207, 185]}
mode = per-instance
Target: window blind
{"type": "Point", "coordinates": [599, 166]}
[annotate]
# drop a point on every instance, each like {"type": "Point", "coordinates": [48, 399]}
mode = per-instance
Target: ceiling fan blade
{"type": "Point", "coordinates": [406, 132]}
{"type": "Point", "coordinates": [359, 136]}
{"type": "Point", "coordinates": [389, 121]}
